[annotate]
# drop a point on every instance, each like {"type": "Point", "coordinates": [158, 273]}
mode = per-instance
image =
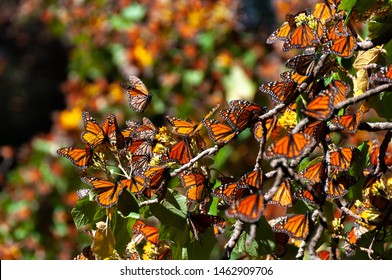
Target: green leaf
{"type": "Point", "coordinates": [201, 250]}
{"type": "Point", "coordinates": [87, 212]}
{"type": "Point", "coordinates": [104, 242]}
{"type": "Point", "coordinates": [347, 5]}
{"type": "Point", "coordinates": [122, 230]}
{"type": "Point", "coordinates": [171, 211]}
{"type": "Point", "coordinates": [381, 105]}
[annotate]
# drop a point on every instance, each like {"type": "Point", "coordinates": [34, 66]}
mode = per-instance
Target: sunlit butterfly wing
{"type": "Point", "coordinates": [342, 89]}
{"type": "Point", "coordinates": [292, 76]}
{"type": "Point", "coordinates": [195, 183]}
{"type": "Point", "coordinates": [348, 122]}
{"type": "Point", "coordinates": [296, 226]}
{"type": "Point", "coordinates": [149, 233]}
{"type": "Point", "coordinates": [302, 37]}
{"type": "Point", "coordinates": [283, 196]}
{"type": "Point", "coordinates": [321, 107]}
{"type": "Point", "coordinates": [248, 209]}
{"type": "Point", "coordinates": [138, 94]}
{"type": "Point", "coordinates": [342, 157]}
{"type": "Point", "coordinates": [341, 42]}
{"type": "Point", "coordinates": [325, 11]}
{"type": "Point", "coordinates": [263, 129]}
{"type": "Point", "coordinates": [283, 32]}
{"type": "Point", "coordinates": [252, 179]}
{"type": "Point", "coordinates": [155, 175]}
{"type": "Point", "coordinates": [338, 187]}
{"type": "Point", "coordinates": [290, 146]}
{"type": "Point", "coordinates": [107, 192]}
{"type": "Point", "coordinates": [93, 134]}
{"type": "Point", "coordinates": [314, 173]}
{"type": "Point", "coordinates": [113, 132]}
{"type": "Point", "coordinates": [281, 92]}
{"type": "Point", "coordinates": [219, 132]}
{"type": "Point", "coordinates": [181, 127]}
{"type": "Point", "coordinates": [181, 152]}
{"type": "Point", "coordinates": [305, 195]}
{"type": "Point", "coordinates": [230, 192]}
{"type": "Point", "coordinates": [79, 157]}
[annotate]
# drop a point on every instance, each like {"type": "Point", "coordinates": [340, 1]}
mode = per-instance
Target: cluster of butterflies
{"type": "Point", "coordinates": [323, 33]}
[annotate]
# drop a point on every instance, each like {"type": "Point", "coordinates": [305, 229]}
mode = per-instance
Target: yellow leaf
{"type": "Point", "coordinates": [103, 243]}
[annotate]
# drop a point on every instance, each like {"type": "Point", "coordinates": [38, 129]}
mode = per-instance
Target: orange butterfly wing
{"type": "Point", "coordinates": [107, 192]}
{"type": "Point", "coordinates": [79, 157]}
{"type": "Point", "coordinates": [219, 132]}
{"type": "Point", "coordinates": [248, 209]}
{"type": "Point", "coordinates": [291, 146]}
{"type": "Point", "coordinates": [138, 94]}
{"type": "Point", "coordinates": [296, 226]}
{"type": "Point", "coordinates": [283, 197]}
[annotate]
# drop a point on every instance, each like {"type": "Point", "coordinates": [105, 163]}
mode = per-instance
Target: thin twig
{"type": "Point", "coordinates": [238, 229]}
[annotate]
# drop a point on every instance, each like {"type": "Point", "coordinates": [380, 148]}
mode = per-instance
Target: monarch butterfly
{"type": "Point", "coordinates": [337, 187]}
{"type": "Point", "coordinates": [252, 179]}
{"type": "Point", "coordinates": [181, 127]}
{"type": "Point", "coordinates": [79, 157]}
{"type": "Point", "coordinates": [303, 64]}
{"type": "Point", "coordinates": [354, 236]}
{"type": "Point", "coordinates": [281, 92]}
{"type": "Point", "coordinates": [141, 230]}
{"type": "Point", "coordinates": [316, 129]}
{"type": "Point", "coordinates": [305, 195]}
{"type": "Point", "coordinates": [154, 175]}
{"type": "Point", "coordinates": [187, 127]}
{"type": "Point", "coordinates": [283, 196]}
{"type": "Point", "coordinates": [321, 107]}
{"type": "Point", "coordinates": [340, 41]}
{"type": "Point", "coordinates": [342, 89]}
{"type": "Point", "coordinates": [94, 135]}
{"type": "Point", "coordinates": [296, 226]}
{"type": "Point", "coordinates": [219, 132]}
{"type": "Point", "coordinates": [248, 209]}
{"type": "Point", "coordinates": [199, 223]}
{"type": "Point", "coordinates": [181, 152]}
{"type": "Point", "coordinates": [107, 192]}
{"type": "Point", "coordinates": [145, 130]}
{"type": "Point", "coordinates": [291, 146]}
{"type": "Point", "coordinates": [138, 95]}
{"type": "Point", "coordinates": [292, 76]}
{"type": "Point", "coordinates": [348, 122]}
{"type": "Point", "coordinates": [283, 32]}
{"type": "Point", "coordinates": [325, 11]}
{"type": "Point", "coordinates": [314, 173]}
{"type": "Point", "coordinates": [263, 129]}
{"type": "Point", "coordinates": [384, 75]}
{"type": "Point", "coordinates": [302, 36]}
{"type": "Point", "coordinates": [86, 254]}
{"type": "Point", "coordinates": [195, 183]}
{"type": "Point", "coordinates": [140, 147]}
{"type": "Point", "coordinates": [241, 114]}
{"type": "Point", "coordinates": [342, 157]}
{"type": "Point", "coordinates": [281, 241]}
{"type": "Point", "coordinates": [375, 152]}
{"type": "Point", "coordinates": [230, 192]}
